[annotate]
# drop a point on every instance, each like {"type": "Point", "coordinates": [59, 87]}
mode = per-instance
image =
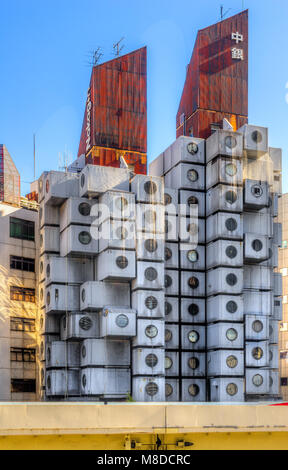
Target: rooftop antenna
{"type": "Point", "coordinates": [34, 155]}
{"type": "Point", "coordinates": [117, 48]}
{"type": "Point", "coordinates": [222, 15]}
{"type": "Point", "coordinates": [95, 57]}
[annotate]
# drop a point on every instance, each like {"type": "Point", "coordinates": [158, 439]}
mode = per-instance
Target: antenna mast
{"type": "Point", "coordinates": [117, 48]}
{"type": "Point", "coordinates": [95, 57]}
{"type": "Point", "coordinates": [34, 155]}
{"type": "Point", "coordinates": [222, 15]}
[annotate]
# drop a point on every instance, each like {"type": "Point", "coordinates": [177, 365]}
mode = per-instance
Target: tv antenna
{"type": "Point", "coordinates": [95, 57]}
{"type": "Point", "coordinates": [117, 48]}
{"type": "Point", "coordinates": [222, 14]}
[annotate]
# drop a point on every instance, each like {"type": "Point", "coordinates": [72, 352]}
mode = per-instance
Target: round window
{"type": "Point", "coordinates": [150, 187]}
{"type": "Point", "coordinates": [49, 382]}
{"type": "Point", "coordinates": [122, 262]}
{"type": "Point", "coordinates": [151, 389]}
{"type": "Point", "coordinates": [231, 389]}
{"type": "Point", "coordinates": [42, 376]}
{"type": "Point", "coordinates": [84, 381]}
{"type": "Point", "coordinates": [192, 148]}
{"type": "Point", "coordinates": [41, 294]}
{"type": "Point", "coordinates": [231, 251]}
{"type": "Point", "coordinates": [151, 331]}
{"type": "Point", "coordinates": [193, 363]}
{"type": "Point", "coordinates": [85, 323]}
{"type": "Point", "coordinates": [231, 279]}
{"type": "Point", "coordinates": [231, 306]}
{"type": "Point", "coordinates": [82, 180]}
{"type": "Point", "coordinates": [193, 228]}
{"type": "Point", "coordinates": [231, 196]}
{"type": "Point", "coordinates": [41, 240]}
{"type": "Point", "coordinates": [231, 361]}
{"type": "Point", "coordinates": [48, 298]}
{"type": "Point", "coordinates": [168, 226]}
{"type": "Point", "coordinates": [230, 141]}
{"type": "Point", "coordinates": [47, 186]}
{"type": "Point", "coordinates": [83, 295]}
{"type": "Point", "coordinates": [41, 267]}
{"type": "Point", "coordinates": [48, 270]}
{"type": "Point", "coordinates": [151, 302]}
{"type": "Point", "coordinates": [167, 281]}
{"type": "Point", "coordinates": [231, 334]}
{"type": "Point", "coordinates": [122, 320]}
{"type": "Point", "coordinates": [151, 360]}
{"type": "Point", "coordinates": [230, 169]}
{"type": "Point", "coordinates": [193, 282]}
{"type": "Point", "coordinates": [257, 353]}
{"type": "Point", "coordinates": [193, 336]}
{"type": "Point", "coordinates": [151, 245]}
{"type": "Point", "coordinates": [121, 233]}
{"type": "Point", "coordinates": [193, 390]}
{"type": "Point", "coordinates": [193, 309]}
{"type": "Point", "coordinates": [257, 137]}
{"type": "Point", "coordinates": [84, 238]}
{"type": "Point", "coordinates": [257, 245]}
{"type": "Point", "coordinates": [257, 380]}
{"type": "Point", "coordinates": [168, 362]}
{"type": "Point", "coordinates": [192, 256]}
{"type": "Point", "coordinates": [168, 336]}
{"type": "Point", "coordinates": [150, 274]}
{"type": "Point", "coordinates": [270, 355]}
{"type": "Point", "coordinates": [84, 208]}
{"type": "Point", "coordinates": [168, 253]}
{"type": "Point", "coordinates": [256, 190]}
{"type": "Point", "coordinates": [42, 350]}
{"type": "Point", "coordinates": [257, 326]}
{"type": "Point", "coordinates": [231, 224]}
{"type": "Point", "coordinates": [168, 390]}
{"type": "Point", "coordinates": [168, 308]}
{"type": "Point", "coordinates": [40, 213]}
{"type": "Point", "coordinates": [48, 352]}
{"type": "Point", "coordinates": [192, 175]}
{"type": "Point", "coordinates": [167, 199]}
{"type": "Point", "coordinates": [41, 322]}
{"type": "Point", "coordinates": [83, 351]}
{"type": "Point", "coordinates": [192, 200]}
{"type": "Point", "coordinates": [121, 203]}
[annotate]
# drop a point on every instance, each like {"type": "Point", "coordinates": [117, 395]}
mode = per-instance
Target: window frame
{"type": "Point", "coordinates": [23, 262]}
{"type": "Point", "coordinates": [22, 321]}
{"type": "Point", "coordinates": [21, 353]}
{"type": "Point", "coordinates": [22, 294]}
{"type": "Point", "coordinates": [22, 229]}
{"type": "Point", "coordinates": [28, 385]}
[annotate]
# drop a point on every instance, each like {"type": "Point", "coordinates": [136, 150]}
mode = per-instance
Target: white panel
{"type": "Point", "coordinates": [48, 215]}
{"type": "Point", "coordinates": [191, 257]}
{"type": "Point", "coordinates": [192, 310]}
{"type": "Point", "coordinates": [224, 253]}
{"type": "Point", "coordinates": [276, 156]}
{"type": "Point", "coordinates": [257, 381]}
{"type": "Point", "coordinates": [171, 200]}
{"type": "Point", "coordinates": [171, 309]}
{"type": "Point", "coordinates": [224, 225]}
{"type": "Point", "coordinates": [117, 205]}
{"type": "Point", "coordinates": [225, 335]}
{"type": "Point", "coordinates": [224, 171]}
{"type": "Point", "coordinates": [227, 389]}
{"type": "Point", "coordinates": [277, 309]}
{"type": "Point", "coordinates": [225, 143]}
{"type": "Point", "coordinates": [172, 363]}
{"type": "Point", "coordinates": [156, 167]}
{"type": "Point", "coordinates": [150, 218]}
{"type": "Point", "coordinates": [256, 328]}
{"type": "Point", "coordinates": [95, 180]}
{"type": "Point", "coordinates": [172, 389]}
{"type": "Point", "coordinates": [186, 176]}
{"type": "Point", "coordinates": [260, 223]}
{"type": "Point", "coordinates": [107, 382]}
{"type": "Point", "coordinates": [193, 364]}
{"type": "Point", "coordinates": [62, 270]}
{"type": "Point", "coordinates": [171, 336]}
{"type": "Point", "coordinates": [225, 308]}
{"type": "Point", "coordinates": [151, 389]}
{"type": "Point", "coordinates": [148, 361]}
{"type": "Point", "coordinates": [79, 325]}
{"type": "Point", "coordinates": [62, 382]}
{"type": "Point", "coordinates": [62, 354]}
{"type": "Point", "coordinates": [224, 281]}
{"type": "Point", "coordinates": [192, 198]}
{"type": "Point", "coordinates": [49, 240]}
{"type": "Point", "coordinates": [225, 363]}
{"type": "Point", "coordinates": [193, 390]}
{"type": "Point", "coordinates": [258, 303]}
{"type": "Point", "coordinates": [256, 248]}
{"type": "Point", "coordinates": [257, 277]}
{"type": "Point", "coordinates": [257, 354]}
{"type": "Point", "coordinates": [171, 282]}
{"type": "Point", "coordinates": [62, 298]}
{"type": "Point", "coordinates": [60, 186]}
{"type": "Point", "coordinates": [116, 264]}
{"type": "Point", "coordinates": [171, 255]}
{"type": "Point", "coordinates": [148, 189]}
{"type": "Point", "coordinates": [150, 333]}
{"type": "Point", "coordinates": [255, 140]}
{"type": "Point", "coordinates": [256, 194]}
{"type": "Point", "coordinates": [224, 198]}
{"type": "Point", "coordinates": [117, 323]}
{"type": "Point", "coordinates": [77, 211]}
{"type": "Point", "coordinates": [118, 234]}
{"type": "Point", "coordinates": [103, 352]}
{"type": "Point", "coordinates": [77, 240]}
{"type": "Point", "coordinates": [193, 337]}
{"type": "Point", "coordinates": [149, 276]}
{"type": "Point", "coordinates": [94, 295]}
{"type": "Point", "coordinates": [150, 247]}
{"type": "Point", "coordinates": [273, 331]}
{"type": "Point", "coordinates": [192, 284]}
{"type": "Point", "coordinates": [148, 303]}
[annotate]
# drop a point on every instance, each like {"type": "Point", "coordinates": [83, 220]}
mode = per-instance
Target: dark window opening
{"type": "Point", "coordinates": [22, 324]}
{"type": "Point", "coordinates": [23, 229]}
{"type": "Point", "coordinates": [23, 385]}
{"type": "Point", "coordinates": [23, 264]}
{"type": "Point", "coordinates": [22, 355]}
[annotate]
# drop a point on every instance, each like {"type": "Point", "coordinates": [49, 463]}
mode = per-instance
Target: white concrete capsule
{"type": "Point", "coordinates": [255, 140]}
{"type": "Point", "coordinates": [192, 284]}
{"type": "Point", "coordinates": [41, 186]}
{"type": "Point", "coordinates": [49, 240]}
{"type": "Point", "coordinates": [227, 389]}
{"type": "Point", "coordinates": [77, 240]}
{"type": "Point", "coordinates": [225, 226]}
{"type": "Point", "coordinates": [256, 248]}
{"type": "Point", "coordinates": [48, 215]}
{"type": "Point", "coordinates": [224, 253]}
{"type": "Point", "coordinates": [171, 201]}
{"type": "Point", "coordinates": [225, 336]}
{"type": "Point", "coordinates": [171, 306]}
{"type": "Point", "coordinates": [172, 389]}
{"type": "Point", "coordinates": [106, 382]}
{"type": "Point", "coordinates": [224, 171]}
{"type": "Point", "coordinates": [62, 354]}
{"type": "Point", "coordinates": [256, 194]}
{"type": "Point", "coordinates": [256, 328]}
{"type": "Point", "coordinates": [117, 205]}
{"type": "Point", "coordinates": [193, 364]}
{"type": "Point", "coordinates": [150, 276]}
{"type": "Point", "coordinates": [117, 234]}
{"type": "Point", "coordinates": [61, 298]}
{"type": "Point", "coordinates": [257, 354]}
{"type": "Point", "coordinates": [95, 180]}
{"type": "Point", "coordinates": [225, 143]}
{"type": "Point", "coordinates": [117, 322]}
{"type": "Point", "coordinates": [104, 352]}
{"type": "Point", "coordinates": [274, 382]}
{"type": "Point", "coordinates": [148, 389]}
{"type": "Point", "coordinates": [148, 361]}
{"type": "Point", "coordinates": [67, 270]}
{"type": "Point", "coordinates": [277, 284]}
{"type": "Point", "coordinates": [60, 186]}
{"type": "Point", "coordinates": [148, 189]}
{"type": "Point", "coordinates": [257, 277]}
{"type": "Point", "coordinates": [275, 200]}
{"type": "Point", "coordinates": [277, 234]}
{"type": "Point", "coordinates": [192, 310]}
{"type": "Point", "coordinates": [192, 258]}
{"type": "Point", "coordinates": [150, 333]}
{"type": "Point", "coordinates": [259, 222]}
{"type": "Point", "coordinates": [77, 211]}
{"type": "Point", "coordinates": [276, 156]}
{"type": "Point", "coordinates": [171, 227]}
{"type": "Point", "coordinates": [258, 303]}
{"type": "Point", "coordinates": [49, 324]}
{"type": "Point", "coordinates": [193, 338]}
{"type": "Point", "coordinates": [94, 295]}
{"type": "Point", "coordinates": [116, 265]}
{"type": "Point", "coordinates": [256, 381]}
{"type": "Point", "coordinates": [191, 230]}
{"type": "Point", "coordinates": [224, 198]}
{"type": "Point", "coordinates": [62, 382]}
{"type": "Point", "coordinates": [273, 331]}
{"type": "Point", "coordinates": [171, 256]}
{"type": "Point", "coordinates": [225, 308]}
{"type": "Point", "coordinates": [277, 182]}
{"type": "Point", "coordinates": [193, 390]}
{"type": "Point", "coordinates": [79, 326]}
{"type": "Point", "coordinates": [150, 247]}
{"type": "Point", "coordinates": [171, 282]}
{"type": "Point", "coordinates": [193, 199]}
{"type": "Point", "coordinates": [171, 363]}
{"type": "Point", "coordinates": [150, 218]}
{"type": "Point", "coordinates": [156, 167]}
{"type": "Point", "coordinates": [186, 176]}
{"type": "Point", "coordinates": [224, 281]}
{"type": "Point", "coordinates": [223, 363]}
{"type": "Point", "coordinates": [148, 303]}
{"type": "Point", "coordinates": [185, 149]}
{"type": "Point", "coordinates": [171, 336]}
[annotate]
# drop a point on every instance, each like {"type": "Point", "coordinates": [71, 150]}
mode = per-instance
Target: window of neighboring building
{"type": "Point", "coordinates": [22, 294]}
{"type": "Point", "coordinates": [22, 355]}
{"type": "Point", "coordinates": [23, 264]}
{"type": "Point", "coordinates": [23, 229]}
{"type": "Point", "coordinates": [284, 271]}
{"type": "Point", "coordinates": [284, 299]}
{"type": "Point", "coordinates": [284, 244]}
{"type": "Point", "coordinates": [23, 385]}
{"type": "Point", "coordinates": [283, 354]}
{"type": "Point", "coordinates": [283, 326]}
{"type": "Point", "coordinates": [284, 381]}
{"type": "Point", "coordinates": [22, 324]}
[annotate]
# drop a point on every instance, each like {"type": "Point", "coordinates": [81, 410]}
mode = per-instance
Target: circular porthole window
{"type": "Point", "coordinates": [193, 336]}
{"type": "Point", "coordinates": [231, 224]}
{"type": "Point", "coordinates": [192, 200]}
{"type": "Point", "coordinates": [82, 180]}
{"type": "Point", "coordinates": [270, 355]}
{"type": "Point", "coordinates": [193, 228]}
{"type": "Point", "coordinates": [192, 148]}
{"type": "Point", "coordinates": [83, 295]}
{"type": "Point", "coordinates": [257, 326]}
{"type": "Point", "coordinates": [230, 141]}
{"type": "Point", "coordinates": [122, 262]}
{"type": "Point", "coordinates": [168, 390]}
{"type": "Point", "coordinates": [121, 233]}
{"type": "Point", "coordinates": [192, 256]}
{"type": "Point", "coordinates": [83, 351]}
{"type": "Point", "coordinates": [84, 208]}
{"type": "Point", "coordinates": [121, 203]}
{"type": "Point", "coordinates": [193, 309]}
{"type": "Point", "coordinates": [168, 226]}
{"type": "Point", "coordinates": [231, 196]}
{"type": "Point", "coordinates": [41, 267]}
{"type": "Point", "coordinates": [151, 389]}
{"type": "Point", "coordinates": [49, 382]}
{"type": "Point", "coordinates": [47, 186]}
{"type": "Point", "coordinates": [231, 361]}
{"type": "Point", "coordinates": [193, 363]}
{"type": "Point", "coordinates": [230, 169]}
{"type": "Point", "coordinates": [167, 281]}
{"type": "Point", "coordinates": [193, 390]}
{"type": "Point", "coordinates": [167, 199]}
{"type": "Point", "coordinates": [257, 190]}
{"type": "Point", "coordinates": [48, 352]}
{"type": "Point", "coordinates": [231, 334]}
{"type": "Point", "coordinates": [231, 251]}
{"type": "Point", "coordinates": [193, 282]}
{"type": "Point", "coordinates": [42, 376]}
{"type": "Point", "coordinates": [231, 279]}
{"type": "Point", "coordinates": [168, 308]}
{"type": "Point", "coordinates": [151, 245]}
{"type": "Point", "coordinates": [48, 270]}
{"type": "Point", "coordinates": [168, 335]}
{"type": "Point", "coordinates": [151, 302]}
{"type": "Point", "coordinates": [257, 137]}
{"type": "Point", "coordinates": [84, 238]}
{"type": "Point", "coordinates": [257, 380]}
{"type": "Point", "coordinates": [231, 306]}
{"type": "Point", "coordinates": [257, 245]}
{"type": "Point", "coordinates": [231, 389]}
{"type": "Point", "coordinates": [150, 187]}
{"type": "Point", "coordinates": [41, 294]}
{"type": "Point", "coordinates": [257, 353]}
{"type": "Point", "coordinates": [41, 322]}
{"type": "Point", "coordinates": [192, 175]}
{"type": "Point", "coordinates": [48, 298]}
{"type": "Point", "coordinates": [85, 323]}
{"type": "Point", "coordinates": [84, 380]}
{"type": "Point", "coordinates": [151, 331]}
{"type": "Point", "coordinates": [168, 253]}
{"type": "Point", "coordinates": [122, 320]}
{"type": "Point", "coordinates": [150, 274]}
{"type": "Point", "coordinates": [151, 360]}
{"type": "Point", "coordinates": [168, 362]}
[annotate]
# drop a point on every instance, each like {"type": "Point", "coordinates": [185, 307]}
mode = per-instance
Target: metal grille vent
{"type": "Point", "coordinates": [151, 302]}
{"type": "Point", "coordinates": [150, 187]}
{"type": "Point", "coordinates": [151, 389]}
{"type": "Point", "coordinates": [85, 323]}
{"type": "Point", "coordinates": [122, 262]}
{"type": "Point", "coordinates": [150, 274]}
{"type": "Point", "coordinates": [151, 360]}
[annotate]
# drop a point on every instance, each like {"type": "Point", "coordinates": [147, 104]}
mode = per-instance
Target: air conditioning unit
{"type": "Point", "coordinates": [171, 255]}
{"type": "Point", "coordinates": [171, 201]}
{"type": "Point", "coordinates": [49, 324]}
{"type": "Point", "coordinates": [273, 332]}
{"type": "Point", "coordinates": [48, 215]}
{"type": "Point", "coordinates": [191, 257]}
{"type": "Point", "coordinates": [186, 176]}
{"type": "Point", "coordinates": [172, 389]}
{"type": "Point", "coordinates": [192, 284]}
{"type": "Point", "coordinates": [67, 270]}
{"type": "Point", "coordinates": [194, 390]}
{"type": "Point", "coordinates": [79, 326]}
{"type": "Point", "coordinates": [117, 205]}
{"type": "Point", "coordinates": [277, 309]}
{"type": "Point", "coordinates": [256, 381]}
{"type": "Point", "coordinates": [224, 225]}
{"type": "Point", "coordinates": [60, 186]}
{"type": "Point", "coordinates": [171, 282]}
{"type": "Point", "coordinates": [256, 248]}
{"type": "Point", "coordinates": [256, 194]}
{"type": "Point", "coordinates": [117, 234]}
{"type": "Point", "coordinates": [258, 303]}
{"type": "Point", "coordinates": [227, 389]}
{"type": "Point", "coordinates": [273, 356]}
{"type": "Point", "coordinates": [62, 298]}
{"type": "Point", "coordinates": [148, 189]}
{"type": "Point", "coordinates": [77, 240]}
{"type": "Point", "coordinates": [171, 227]}
{"type": "Point", "coordinates": [257, 277]}
{"type": "Point", "coordinates": [150, 333]}
{"type": "Point", "coordinates": [95, 180]}
{"type": "Point", "coordinates": [116, 264]}
{"type": "Point", "coordinates": [224, 363]}
{"type": "Point", "coordinates": [117, 322]}
{"type": "Point", "coordinates": [276, 156]}
{"type": "Point", "coordinates": [103, 352]}
{"type": "Point", "coordinates": [225, 308]}
{"type": "Point", "coordinates": [62, 354]}
{"type": "Point", "coordinates": [223, 171]}
{"type": "Point", "coordinates": [260, 222]}
{"type": "Point", "coordinates": [193, 364]}
{"type": "Point", "coordinates": [277, 284]}
{"type": "Point", "coordinates": [62, 382]}
{"type": "Point", "coordinates": [185, 149]}
{"type": "Point", "coordinates": [49, 240]}
{"type": "Point", "coordinates": [257, 354]}
{"type": "Point", "coordinates": [225, 336]}
{"type": "Point", "coordinates": [171, 336]}
{"type": "Point", "coordinates": [224, 281]}
{"type": "Point", "coordinates": [277, 234]}
{"type": "Point", "coordinates": [171, 306]}
{"type": "Point", "coordinates": [156, 167]}
{"type": "Point", "coordinates": [192, 310]}
{"type": "Point", "coordinates": [224, 198]}
{"type": "Point", "coordinates": [256, 328]}
{"type": "Point", "coordinates": [148, 303]}
{"type": "Point", "coordinates": [94, 295]}
{"type": "Point", "coordinates": [193, 337]}
{"type": "Point", "coordinates": [274, 382]}
{"type": "Point", "coordinates": [150, 218]}
{"type": "Point", "coordinates": [150, 276]}
{"type": "Point", "coordinates": [148, 361]}
{"type": "Point", "coordinates": [147, 389]}
{"type": "Point", "coordinates": [225, 143]}
{"type": "Point", "coordinates": [78, 211]}
{"type": "Point", "coordinates": [192, 200]}
{"type": "Point", "coordinates": [191, 230]}
{"type": "Point", "coordinates": [224, 253]}
{"type": "Point", "coordinates": [255, 140]}
{"type": "Point", "coordinates": [107, 382]}
{"type": "Point", "coordinates": [172, 363]}
{"type": "Point", "coordinates": [150, 247]}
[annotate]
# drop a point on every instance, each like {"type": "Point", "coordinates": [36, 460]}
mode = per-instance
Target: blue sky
{"type": "Point", "coordinates": [44, 76]}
